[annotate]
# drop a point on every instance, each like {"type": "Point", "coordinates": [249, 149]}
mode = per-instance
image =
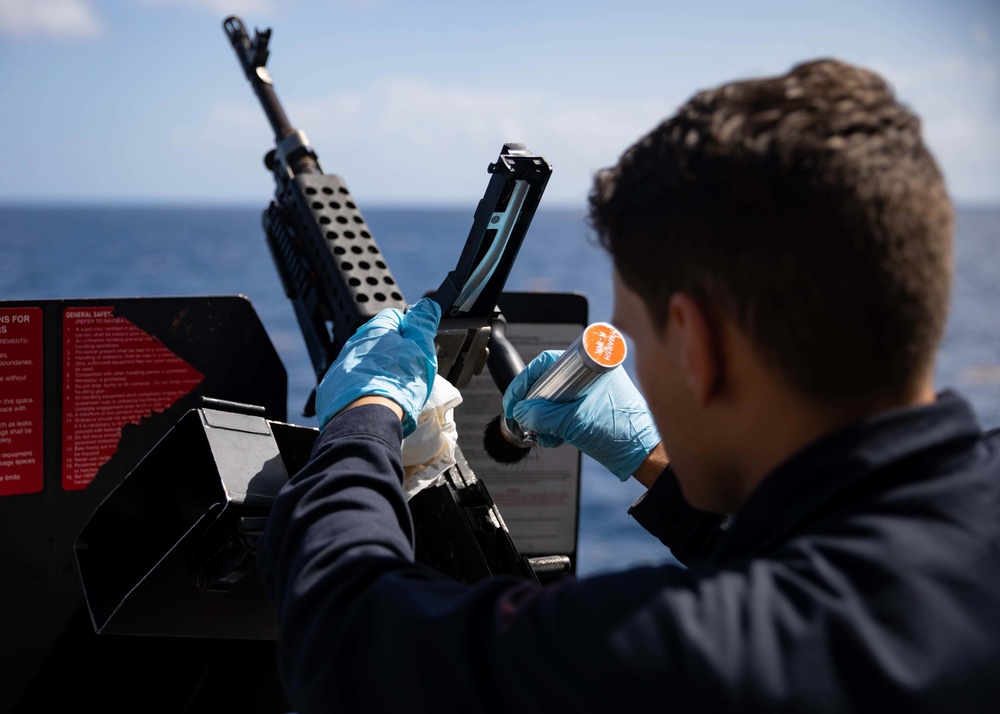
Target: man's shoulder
{"type": "Point", "coordinates": [900, 575]}
{"type": "Point", "coordinates": [920, 541]}
{"type": "Point", "coordinates": [901, 520]}
{"type": "Point", "coordinates": [942, 502]}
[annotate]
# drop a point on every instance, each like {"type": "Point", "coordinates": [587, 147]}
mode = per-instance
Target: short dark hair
{"type": "Point", "coordinates": [807, 207]}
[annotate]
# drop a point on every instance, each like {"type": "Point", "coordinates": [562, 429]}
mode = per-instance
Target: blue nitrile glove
{"type": "Point", "coordinates": [392, 355]}
{"type": "Point", "coordinates": [611, 423]}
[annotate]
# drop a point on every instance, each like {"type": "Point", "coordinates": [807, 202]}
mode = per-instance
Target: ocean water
{"type": "Point", "coordinates": [88, 252]}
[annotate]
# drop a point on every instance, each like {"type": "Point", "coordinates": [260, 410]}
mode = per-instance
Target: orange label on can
{"type": "Point", "coordinates": [604, 344]}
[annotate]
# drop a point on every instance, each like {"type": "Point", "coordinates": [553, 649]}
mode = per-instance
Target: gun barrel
{"type": "Point", "coordinates": [252, 55]}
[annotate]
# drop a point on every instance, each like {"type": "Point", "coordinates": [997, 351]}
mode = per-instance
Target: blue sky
{"type": "Point", "coordinates": [142, 101]}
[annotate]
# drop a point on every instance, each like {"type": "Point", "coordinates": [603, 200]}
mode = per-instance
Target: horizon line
{"type": "Point", "coordinates": [189, 204]}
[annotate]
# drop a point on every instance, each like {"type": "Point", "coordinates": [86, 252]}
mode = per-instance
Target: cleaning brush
{"type": "Point", "coordinates": [598, 350]}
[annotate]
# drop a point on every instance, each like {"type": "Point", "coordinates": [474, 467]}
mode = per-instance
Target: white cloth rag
{"type": "Point", "coordinates": [430, 449]}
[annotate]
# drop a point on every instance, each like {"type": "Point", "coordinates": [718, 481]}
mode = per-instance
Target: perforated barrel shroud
{"type": "Point", "coordinates": [352, 271]}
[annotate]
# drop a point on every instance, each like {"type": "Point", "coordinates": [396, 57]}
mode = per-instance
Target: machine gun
{"type": "Point", "coordinates": [330, 265]}
{"type": "Point", "coordinates": [186, 520]}
{"type": "Point", "coordinates": [337, 279]}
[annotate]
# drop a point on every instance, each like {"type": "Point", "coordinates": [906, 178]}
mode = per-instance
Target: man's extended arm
{"type": "Point", "coordinates": [363, 627]}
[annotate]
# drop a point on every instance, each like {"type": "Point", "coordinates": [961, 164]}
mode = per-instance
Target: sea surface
{"type": "Point", "coordinates": [92, 252]}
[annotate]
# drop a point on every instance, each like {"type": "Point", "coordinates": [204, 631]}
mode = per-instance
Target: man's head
{"type": "Point", "coordinates": [805, 211]}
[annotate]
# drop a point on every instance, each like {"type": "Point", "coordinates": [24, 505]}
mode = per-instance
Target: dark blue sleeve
{"type": "Point", "coordinates": [364, 628]}
{"type": "Point", "coordinates": [689, 533]}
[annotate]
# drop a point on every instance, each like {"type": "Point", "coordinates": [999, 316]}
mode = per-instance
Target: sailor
{"type": "Point", "coordinates": [782, 258]}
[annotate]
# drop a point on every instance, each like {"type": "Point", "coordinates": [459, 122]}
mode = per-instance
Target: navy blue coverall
{"type": "Point", "coordinates": [862, 575]}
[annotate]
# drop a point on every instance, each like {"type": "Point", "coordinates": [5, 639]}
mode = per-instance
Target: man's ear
{"type": "Point", "coordinates": [699, 345]}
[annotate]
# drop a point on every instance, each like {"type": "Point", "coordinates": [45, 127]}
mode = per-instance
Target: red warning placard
{"type": "Point", "coordinates": [21, 388]}
{"type": "Point", "coordinates": [114, 374]}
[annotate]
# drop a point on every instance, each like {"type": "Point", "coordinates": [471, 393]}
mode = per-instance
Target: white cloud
{"type": "Point", "coordinates": [51, 18]}
{"type": "Point", "coordinates": [215, 7]}
{"type": "Point", "coordinates": [411, 140]}
{"type": "Point", "coordinates": [356, 5]}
